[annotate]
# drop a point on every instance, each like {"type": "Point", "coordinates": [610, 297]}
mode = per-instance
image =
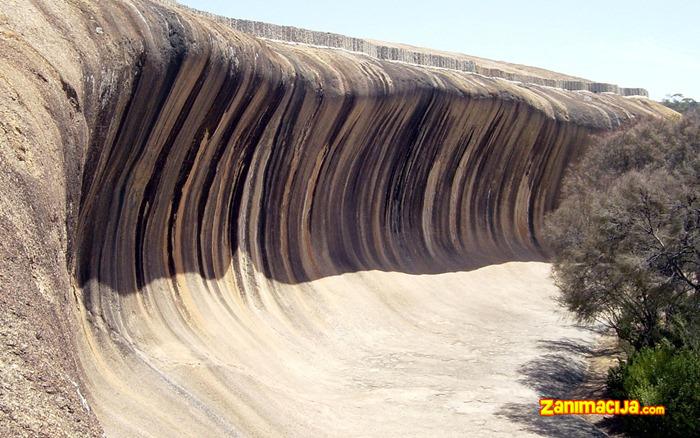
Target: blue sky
{"type": "Point", "coordinates": [650, 44]}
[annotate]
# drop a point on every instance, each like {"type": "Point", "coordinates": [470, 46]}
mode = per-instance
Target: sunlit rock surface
{"type": "Point", "coordinates": [206, 233]}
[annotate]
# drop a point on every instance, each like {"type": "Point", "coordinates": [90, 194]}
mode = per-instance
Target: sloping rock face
{"type": "Point", "coordinates": [207, 233]}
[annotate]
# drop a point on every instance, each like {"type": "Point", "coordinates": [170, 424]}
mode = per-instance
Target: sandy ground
{"type": "Point", "coordinates": [360, 354]}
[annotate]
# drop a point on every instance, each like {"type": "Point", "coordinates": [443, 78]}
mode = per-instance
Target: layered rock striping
{"type": "Point", "coordinates": [187, 208]}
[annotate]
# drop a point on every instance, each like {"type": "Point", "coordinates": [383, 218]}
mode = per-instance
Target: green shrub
{"type": "Point", "coordinates": [625, 239]}
{"type": "Point", "coordinates": [625, 245]}
{"type": "Point", "coordinates": [660, 376]}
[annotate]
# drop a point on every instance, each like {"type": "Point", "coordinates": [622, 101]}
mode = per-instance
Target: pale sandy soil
{"type": "Point", "coordinates": [360, 354]}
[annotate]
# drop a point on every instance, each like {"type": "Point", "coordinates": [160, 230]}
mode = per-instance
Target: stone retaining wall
{"type": "Point", "coordinates": [391, 53]}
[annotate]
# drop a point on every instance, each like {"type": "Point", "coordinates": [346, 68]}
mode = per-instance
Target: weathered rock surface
{"type": "Point", "coordinates": [204, 233]}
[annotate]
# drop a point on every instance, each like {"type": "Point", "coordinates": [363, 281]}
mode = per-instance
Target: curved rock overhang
{"type": "Point", "coordinates": [315, 162]}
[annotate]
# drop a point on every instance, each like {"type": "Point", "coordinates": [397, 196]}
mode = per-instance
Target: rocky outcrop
{"type": "Point", "coordinates": [174, 188]}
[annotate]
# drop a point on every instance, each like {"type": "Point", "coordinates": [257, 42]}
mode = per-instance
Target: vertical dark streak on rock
{"type": "Point", "coordinates": [149, 193]}
{"type": "Point", "coordinates": [276, 170]}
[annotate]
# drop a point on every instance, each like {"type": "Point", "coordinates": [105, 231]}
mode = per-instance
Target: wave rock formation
{"type": "Point", "coordinates": [206, 233]}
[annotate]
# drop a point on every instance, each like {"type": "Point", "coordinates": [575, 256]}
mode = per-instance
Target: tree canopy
{"type": "Point", "coordinates": [626, 236]}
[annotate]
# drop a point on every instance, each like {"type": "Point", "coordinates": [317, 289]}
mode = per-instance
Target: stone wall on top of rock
{"type": "Point", "coordinates": [413, 55]}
